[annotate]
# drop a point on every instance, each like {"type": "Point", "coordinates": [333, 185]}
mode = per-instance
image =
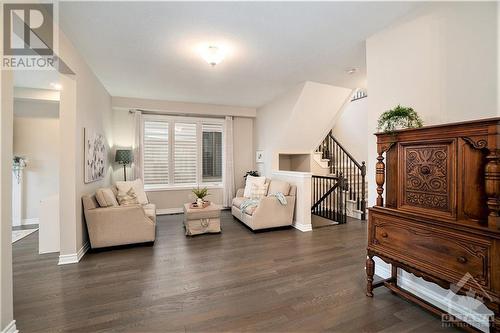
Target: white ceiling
{"type": "Point", "coordinates": [145, 50]}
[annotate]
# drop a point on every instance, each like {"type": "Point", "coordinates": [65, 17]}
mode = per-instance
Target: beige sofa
{"type": "Point", "coordinates": [270, 213]}
{"type": "Point", "coordinates": [119, 225]}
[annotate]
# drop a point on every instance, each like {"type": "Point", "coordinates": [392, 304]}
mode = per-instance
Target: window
{"type": "Point", "coordinates": [212, 153]}
{"type": "Point", "coordinates": [181, 151]}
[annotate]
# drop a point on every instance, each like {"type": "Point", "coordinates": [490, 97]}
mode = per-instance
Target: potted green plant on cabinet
{"type": "Point", "coordinates": [400, 117]}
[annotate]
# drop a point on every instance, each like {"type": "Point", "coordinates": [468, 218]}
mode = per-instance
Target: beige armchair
{"type": "Point", "coordinates": [270, 213]}
{"type": "Point", "coordinates": [120, 225]}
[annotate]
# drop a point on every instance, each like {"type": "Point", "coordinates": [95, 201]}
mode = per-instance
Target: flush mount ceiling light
{"type": "Point", "coordinates": [213, 54]}
{"type": "Point", "coordinates": [56, 86]}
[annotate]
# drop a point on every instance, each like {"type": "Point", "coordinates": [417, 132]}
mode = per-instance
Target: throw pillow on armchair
{"type": "Point", "coordinates": [138, 189]}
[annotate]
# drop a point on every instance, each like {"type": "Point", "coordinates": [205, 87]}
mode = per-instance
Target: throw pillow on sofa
{"type": "Point", "coordinates": [106, 198]}
{"type": "Point", "coordinates": [258, 191]}
{"type": "Point", "coordinates": [138, 189]}
{"type": "Point", "coordinates": [278, 186]}
{"type": "Point", "coordinates": [252, 180]}
{"type": "Point", "coordinates": [127, 198]}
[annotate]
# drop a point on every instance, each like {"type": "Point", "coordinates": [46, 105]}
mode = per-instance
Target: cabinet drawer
{"type": "Point", "coordinates": [446, 253]}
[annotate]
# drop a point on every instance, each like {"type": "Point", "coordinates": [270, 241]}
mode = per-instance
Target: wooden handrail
{"type": "Point", "coordinates": [346, 152]}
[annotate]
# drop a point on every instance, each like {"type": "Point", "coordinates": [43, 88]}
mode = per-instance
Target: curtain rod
{"type": "Point", "coordinates": [166, 113]}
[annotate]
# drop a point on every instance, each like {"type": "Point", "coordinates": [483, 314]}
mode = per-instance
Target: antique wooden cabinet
{"type": "Point", "coordinates": [440, 217]}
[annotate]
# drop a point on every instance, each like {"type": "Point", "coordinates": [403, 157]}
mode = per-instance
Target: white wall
{"type": "Point", "coordinates": [194, 109]}
{"type": "Point", "coordinates": [297, 121]}
{"type": "Point", "coordinates": [243, 149]}
{"type": "Point", "coordinates": [244, 156]}
{"type": "Point", "coordinates": [351, 127]}
{"type": "Point", "coordinates": [443, 62]}
{"type": "Point", "coordinates": [32, 94]}
{"type": "Point", "coordinates": [36, 137]}
{"type": "Point", "coordinates": [85, 103]}
{"type": "Point", "coordinates": [6, 126]}
{"type": "Point", "coordinates": [6, 134]}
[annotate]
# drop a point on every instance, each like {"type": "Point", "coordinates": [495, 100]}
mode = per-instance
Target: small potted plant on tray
{"type": "Point", "coordinates": [200, 194]}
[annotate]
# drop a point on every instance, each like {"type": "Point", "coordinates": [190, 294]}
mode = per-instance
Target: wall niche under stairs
{"type": "Point", "coordinates": [294, 162]}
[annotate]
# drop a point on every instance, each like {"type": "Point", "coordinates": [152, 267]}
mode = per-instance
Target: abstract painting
{"type": "Point", "coordinates": [95, 155]}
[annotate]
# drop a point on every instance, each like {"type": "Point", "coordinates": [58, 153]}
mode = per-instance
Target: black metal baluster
{"type": "Point", "coordinates": [330, 208]}
{"type": "Point", "coordinates": [363, 198]}
{"type": "Point", "coordinates": [350, 179]}
{"type": "Point", "coordinates": [344, 214]}
{"type": "Point", "coordinates": [322, 193]}
{"type": "Point", "coordinates": [357, 190]}
{"type": "Point", "coordinates": [329, 153]}
{"type": "Point", "coordinates": [314, 194]}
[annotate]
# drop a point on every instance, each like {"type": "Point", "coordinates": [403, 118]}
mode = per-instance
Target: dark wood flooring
{"type": "Point", "coordinates": [279, 281]}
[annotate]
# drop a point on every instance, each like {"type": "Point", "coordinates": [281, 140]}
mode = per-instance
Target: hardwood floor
{"type": "Point", "coordinates": [279, 281]}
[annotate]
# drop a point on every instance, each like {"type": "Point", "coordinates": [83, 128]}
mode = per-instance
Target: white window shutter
{"type": "Point", "coordinates": [156, 153]}
{"type": "Point", "coordinates": [185, 153]}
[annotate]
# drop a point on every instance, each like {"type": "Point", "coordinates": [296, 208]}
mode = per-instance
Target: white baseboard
{"type": "Point", "coordinates": [168, 211]}
{"type": "Point", "coordinates": [74, 258]}
{"type": "Point", "coordinates": [11, 328]}
{"type": "Point", "coordinates": [302, 227]}
{"type": "Point", "coordinates": [30, 221]}
{"type": "Point", "coordinates": [424, 292]}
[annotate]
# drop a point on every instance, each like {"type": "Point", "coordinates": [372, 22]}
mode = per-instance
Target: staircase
{"type": "Point", "coordinates": [341, 188]}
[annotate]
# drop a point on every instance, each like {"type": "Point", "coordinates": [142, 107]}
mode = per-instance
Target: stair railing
{"type": "Point", "coordinates": [341, 162]}
{"type": "Point", "coordinates": [328, 197]}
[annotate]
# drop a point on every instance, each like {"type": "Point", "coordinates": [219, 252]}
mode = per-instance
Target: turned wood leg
{"type": "Point", "coordinates": [394, 274]}
{"type": "Point", "coordinates": [370, 271]}
{"type": "Point", "coordinates": [495, 325]}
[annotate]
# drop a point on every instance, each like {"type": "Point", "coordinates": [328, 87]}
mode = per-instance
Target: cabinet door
{"type": "Point", "coordinates": [427, 172]}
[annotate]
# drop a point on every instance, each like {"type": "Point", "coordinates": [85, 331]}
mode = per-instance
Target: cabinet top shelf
{"type": "Point", "coordinates": [473, 128]}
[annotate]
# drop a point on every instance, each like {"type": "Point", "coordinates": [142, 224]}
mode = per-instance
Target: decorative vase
{"type": "Point", "coordinates": [199, 202]}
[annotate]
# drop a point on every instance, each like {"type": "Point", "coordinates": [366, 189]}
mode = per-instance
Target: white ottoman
{"type": "Point", "coordinates": [202, 220]}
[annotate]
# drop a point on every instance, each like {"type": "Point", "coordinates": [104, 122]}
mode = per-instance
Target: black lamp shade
{"type": "Point", "coordinates": [124, 156]}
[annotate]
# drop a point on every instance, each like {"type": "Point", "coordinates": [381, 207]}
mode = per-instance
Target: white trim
{"type": "Point", "coordinates": [10, 328]}
{"type": "Point", "coordinates": [182, 187]}
{"type": "Point", "coordinates": [74, 258]}
{"type": "Point", "coordinates": [169, 211]}
{"type": "Point", "coordinates": [180, 118]}
{"type": "Point", "coordinates": [296, 174]}
{"type": "Point", "coordinates": [302, 227]}
{"type": "Point", "coordinates": [413, 286]}
{"type": "Point", "coordinates": [30, 221]}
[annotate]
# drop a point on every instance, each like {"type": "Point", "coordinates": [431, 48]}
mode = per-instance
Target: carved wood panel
{"type": "Point", "coordinates": [471, 186]}
{"type": "Point", "coordinates": [427, 177]}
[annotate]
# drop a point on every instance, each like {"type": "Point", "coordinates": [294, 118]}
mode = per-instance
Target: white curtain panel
{"type": "Point", "coordinates": [228, 163]}
{"type": "Point", "coordinates": [137, 147]}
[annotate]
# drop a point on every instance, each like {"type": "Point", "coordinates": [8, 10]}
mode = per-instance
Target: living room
{"type": "Point", "coordinates": [217, 166]}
